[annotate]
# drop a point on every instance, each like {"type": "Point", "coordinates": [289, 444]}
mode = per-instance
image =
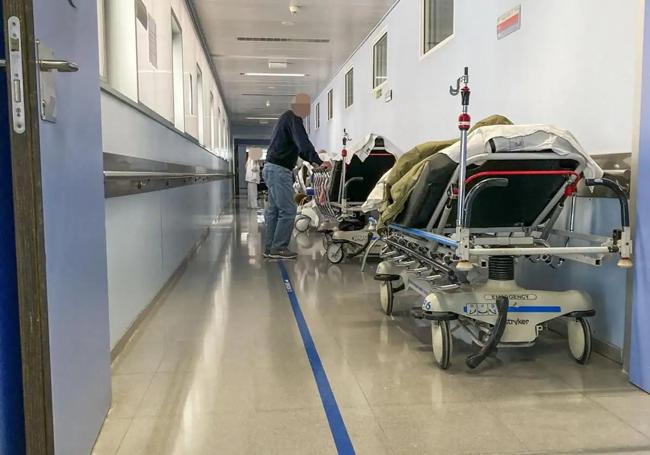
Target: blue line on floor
{"type": "Point", "coordinates": [334, 418]}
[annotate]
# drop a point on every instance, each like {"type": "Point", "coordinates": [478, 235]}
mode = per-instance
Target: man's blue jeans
{"type": "Point", "coordinates": [281, 208]}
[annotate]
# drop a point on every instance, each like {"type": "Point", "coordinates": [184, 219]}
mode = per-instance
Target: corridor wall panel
{"type": "Point", "coordinates": [149, 234]}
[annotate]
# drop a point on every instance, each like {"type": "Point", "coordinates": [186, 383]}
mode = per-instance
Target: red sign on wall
{"type": "Point", "coordinates": [509, 22]}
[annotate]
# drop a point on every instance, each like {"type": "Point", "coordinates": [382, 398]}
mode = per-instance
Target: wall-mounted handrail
{"type": "Point", "coordinates": [163, 175]}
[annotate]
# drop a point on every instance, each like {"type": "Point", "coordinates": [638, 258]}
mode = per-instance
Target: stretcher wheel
{"type": "Point", "coordinates": [302, 224]}
{"type": "Point", "coordinates": [335, 253]}
{"type": "Point", "coordinates": [441, 343]}
{"type": "Point", "coordinates": [327, 239]}
{"type": "Point", "coordinates": [386, 297]}
{"type": "Point", "coordinates": [579, 335]}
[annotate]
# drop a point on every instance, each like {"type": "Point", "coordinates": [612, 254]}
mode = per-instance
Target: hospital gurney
{"type": "Point", "coordinates": [341, 193]}
{"type": "Point", "coordinates": [485, 203]}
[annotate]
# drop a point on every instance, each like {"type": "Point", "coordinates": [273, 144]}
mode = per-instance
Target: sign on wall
{"type": "Point", "coordinates": [509, 22]}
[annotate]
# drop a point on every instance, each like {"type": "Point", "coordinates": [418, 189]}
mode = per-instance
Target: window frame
{"type": "Point", "coordinates": [349, 88]}
{"type": "Point", "coordinates": [179, 123]}
{"type": "Point", "coordinates": [102, 36]}
{"type": "Point", "coordinates": [330, 104]}
{"type": "Point", "coordinates": [423, 52]}
{"type": "Point", "coordinates": [380, 37]}
{"type": "Point", "coordinates": [317, 114]}
{"type": "Point", "coordinates": [200, 107]}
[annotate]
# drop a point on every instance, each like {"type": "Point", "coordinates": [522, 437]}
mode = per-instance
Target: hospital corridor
{"type": "Point", "coordinates": [382, 227]}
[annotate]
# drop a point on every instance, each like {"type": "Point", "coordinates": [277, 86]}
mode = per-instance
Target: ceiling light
{"type": "Point", "coordinates": [288, 23]}
{"type": "Point", "coordinates": [277, 65]}
{"type": "Point", "coordinates": [261, 119]}
{"type": "Point", "coordinates": [264, 122]}
{"type": "Point", "coordinates": [274, 74]}
{"type": "Point", "coordinates": [268, 103]}
{"type": "Point", "coordinates": [271, 87]}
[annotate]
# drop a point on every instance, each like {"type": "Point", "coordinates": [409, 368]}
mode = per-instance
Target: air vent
{"type": "Point", "coordinates": [282, 40]}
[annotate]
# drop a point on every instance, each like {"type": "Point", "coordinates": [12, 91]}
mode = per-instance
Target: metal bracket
{"type": "Point", "coordinates": [15, 73]}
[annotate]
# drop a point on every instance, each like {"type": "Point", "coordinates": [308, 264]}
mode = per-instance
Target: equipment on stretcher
{"type": "Point", "coordinates": [506, 187]}
{"type": "Point", "coordinates": [339, 194]}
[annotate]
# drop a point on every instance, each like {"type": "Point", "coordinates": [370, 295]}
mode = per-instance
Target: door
{"type": "Point", "coordinates": [640, 338]}
{"type": "Point", "coordinates": [58, 198]}
{"type": "Point", "coordinates": [11, 403]}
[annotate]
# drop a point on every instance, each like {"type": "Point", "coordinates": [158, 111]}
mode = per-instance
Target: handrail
{"type": "Point", "coordinates": [162, 175]}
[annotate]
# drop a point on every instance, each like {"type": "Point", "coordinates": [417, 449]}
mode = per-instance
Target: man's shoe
{"type": "Point", "coordinates": [267, 254]}
{"type": "Point", "coordinates": [284, 253]}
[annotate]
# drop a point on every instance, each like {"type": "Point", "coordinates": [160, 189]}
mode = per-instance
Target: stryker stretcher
{"type": "Point", "coordinates": [340, 194]}
{"type": "Point", "coordinates": [485, 203]}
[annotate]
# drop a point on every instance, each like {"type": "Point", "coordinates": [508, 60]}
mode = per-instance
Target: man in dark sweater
{"type": "Point", "coordinates": [288, 142]}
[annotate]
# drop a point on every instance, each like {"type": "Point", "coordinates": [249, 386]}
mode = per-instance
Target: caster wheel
{"type": "Point", "coordinates": [327, 240]}
{"type": "Point", "coordinates": [335, 253]}
{"type": "Point", "coordinates": [302, 224]}
{"type": "Point", "coordinates": [386, 297]}
{"type": "Point", "coordinates": [579, 335]}
{"type": "Point", "coordinates": [441, 343]}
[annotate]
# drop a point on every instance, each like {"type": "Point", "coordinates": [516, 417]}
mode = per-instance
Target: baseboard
{"type": "Point", "coordinates": [162, 293]}
{"type": "Point", "coordinates": [603, 348]}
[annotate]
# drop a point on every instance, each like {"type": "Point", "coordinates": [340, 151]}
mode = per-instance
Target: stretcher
{"type": "Point", "coordinates": [338, 197]}
{"type": "Point", "coordinates": [484, 204]}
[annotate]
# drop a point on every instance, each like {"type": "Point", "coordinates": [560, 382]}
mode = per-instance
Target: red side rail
{"type": "Point", "coordinates": [569, 190]}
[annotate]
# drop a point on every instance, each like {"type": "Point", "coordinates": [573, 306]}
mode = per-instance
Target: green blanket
{"type": "Point", "coordinates": [409, 166]}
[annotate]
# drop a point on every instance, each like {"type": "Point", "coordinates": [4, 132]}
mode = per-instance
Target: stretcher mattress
{"type": "Point", "coordinates": [525, 197]}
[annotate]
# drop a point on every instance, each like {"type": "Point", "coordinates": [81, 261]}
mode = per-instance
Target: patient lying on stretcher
{"type": "Point", "coordinates": [403, 178]}
{"type": "Point", "coordinates": [418, 193]}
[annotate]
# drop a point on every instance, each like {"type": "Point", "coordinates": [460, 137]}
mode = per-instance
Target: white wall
{"type": "Point", "coordinates": [149, 234]}
{"type": "Point", "coordinates": [573, 64]}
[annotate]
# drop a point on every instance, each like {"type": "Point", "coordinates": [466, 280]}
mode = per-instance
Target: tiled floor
{"type": "Point", "coordinates": [219, 368]}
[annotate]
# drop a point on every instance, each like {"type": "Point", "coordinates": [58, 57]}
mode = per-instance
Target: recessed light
{"type": "Point", "coordinates": [278, 65]}
{"type": "Point", "coordinates": [271, 88]}
{"type": "Point", "coordinates": [262, 119]}
{"type": "Point", "coordinates": [274, 74]}
{"type": "Point", "coordinates": [288, 23]}
{"type": "Point", "coordinates": [268, 103]}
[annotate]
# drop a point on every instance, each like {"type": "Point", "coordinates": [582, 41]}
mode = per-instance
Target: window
{"type": "Point", "coordinates": [191, 97]}
{"type": "Point", "coordinates": [219, 132]}
{"type": "Point", "coordinates": [199, 105]}
{"type": "Point", "coordinates": [438, 22]}
{"type": "Point", "coordinates": [212, 120]}
{"type": "Point", "coordinates": [330, 104]}
{"type": "Point", "coordinates": [317, 115]}
{"type": "Point", "coordinates": [349, 88]}
{"type": "Point", "coordinates": [380, 62]}
{"type": "Point", "coordinates": [177, 74]}
{"type": "Point", "coordinates": [121, 48]}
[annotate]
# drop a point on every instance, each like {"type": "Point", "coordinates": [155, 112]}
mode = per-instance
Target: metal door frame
{"type": "Point", "coordinates": [30, 246]}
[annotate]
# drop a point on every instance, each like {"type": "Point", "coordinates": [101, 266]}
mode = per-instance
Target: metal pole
{"type": "Point", "coordinates": [464, 122]}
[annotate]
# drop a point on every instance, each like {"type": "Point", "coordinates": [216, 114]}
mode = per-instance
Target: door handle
{"type": "Point", "coordinates": [62, 66]}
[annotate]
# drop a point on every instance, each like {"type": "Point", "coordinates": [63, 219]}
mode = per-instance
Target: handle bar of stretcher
{"type": "Point", "coordinates": [443, 240]}
{"type": "Point", "coordinates": [446, 241]}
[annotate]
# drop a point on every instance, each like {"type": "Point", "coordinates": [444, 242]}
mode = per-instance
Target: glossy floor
{"type": "Point", "coordinates": [219, 367]}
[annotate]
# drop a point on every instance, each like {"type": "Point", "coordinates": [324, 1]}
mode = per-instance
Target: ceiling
{"type": "Point", "coordinates": [333, 29]}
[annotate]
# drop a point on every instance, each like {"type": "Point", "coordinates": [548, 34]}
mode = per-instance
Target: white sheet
{"type": "Point", "coordinates": [525, 138]}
